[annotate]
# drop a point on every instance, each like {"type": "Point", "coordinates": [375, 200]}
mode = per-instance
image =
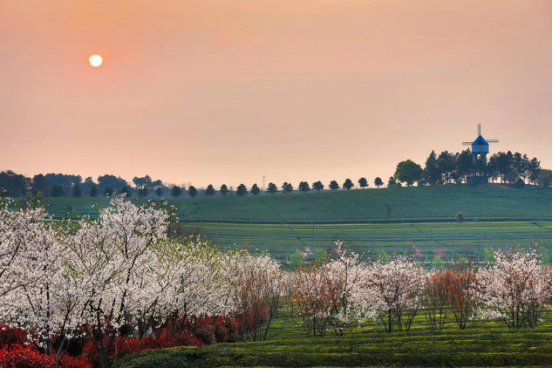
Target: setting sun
{"type": "Point", "coordinates": [95, 60]}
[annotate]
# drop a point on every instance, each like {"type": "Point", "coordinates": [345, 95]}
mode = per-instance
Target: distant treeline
{"type": "Point", "coordinates": [445, 168]}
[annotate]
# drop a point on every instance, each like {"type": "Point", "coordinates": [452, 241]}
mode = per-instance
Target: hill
{"type": "Point", "coordinates": [416, 204]}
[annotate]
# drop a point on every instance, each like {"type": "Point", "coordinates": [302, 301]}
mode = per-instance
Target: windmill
{"type": "Point", "coordinates": [480, 146]}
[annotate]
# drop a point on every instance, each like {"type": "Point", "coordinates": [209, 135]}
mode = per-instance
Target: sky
{"type": "Point", "coordinates": [229, 91]}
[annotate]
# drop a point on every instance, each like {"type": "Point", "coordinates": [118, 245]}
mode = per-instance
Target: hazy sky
{"type": "Point", "coordinates": [228, 91]}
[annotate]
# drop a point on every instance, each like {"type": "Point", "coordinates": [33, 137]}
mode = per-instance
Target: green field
{"type": "Point", "coordinates": [488, 344]}
{"type": "Point", "coordinates": [416, 204]}
{"type": "Point", "coordinates": [366, 220]}
{"type": "Point", "coordinates": [467, 238]}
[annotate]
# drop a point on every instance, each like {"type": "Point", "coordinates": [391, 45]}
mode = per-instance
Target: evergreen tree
{"type": "Point", "coordinates": [192, 191]}
{"type": "Point", "coordinates": [255, 189]}
{"type": "Point", "coordinates": [57, 191]}
{"type": "Point", "coordinates": [176, 192]}
{"type": "Point", "coordinates": [159, 191]}
{"type": "Point", "coordinates": [224, 190]}
{"type": "Point", "coordinates": [241, 190]}
{"type": "Point", "coordinates": [77, 191]}
{"type": "Point", "coordinates": [210, 191]}
{"type": "Point", "coordinates": [432, 174]}
{"type": "Point", "coordinates": [108, 191]}
{"type": "Point", "coordinates": [93, 191]}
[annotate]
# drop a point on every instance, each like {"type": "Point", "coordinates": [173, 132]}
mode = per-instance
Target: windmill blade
{"type": "Point", "coordinates": [467, 143]}
{"type": "Point", "coordinates": [493, 140]}
{"type": "Point", "coordinates": [479, 129]}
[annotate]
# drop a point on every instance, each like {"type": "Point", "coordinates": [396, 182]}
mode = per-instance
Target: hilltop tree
{"type": "Point", "coordinates": [272, 188]}
{"type": "Point", "coordinates": [465, 163]}
{"type": "Point", "coordinates": [318, 186]}
{"type": "Point", "coordinates": [210, 191]}
{"type": "Point", "coordinates": [145, 181]}
{"type": "Point", "coordinates": [287, 187]}
{"type": "Point", "coordinates": [544, 178]}
{"type": "Point", "coordinates": [304, 187]}
{"type": "Point", "coordinates": [176, 191]}
{"type": "Point", "coordinates": [255, 189]}
{"type": "Point", "coordinates": [391, 182]}
{"type": "Point", "coordinates": [378, 182]}
{"type": "Point", "coordinates": [108, 191]}
{"type": "Point", "coordinates": [363, 182]}
{"type": "Point", "coordinates": [40, 184]}
{"type": "Point", "coordinates": [57, 191]}
{"type": "Point", "coordinates": [535, 169]}
{"type": "Point", "coordinates": [93, 191]}
{"type": "Point", "coordinates": [14, 184]}
{"type": "Point", "coordinates": [143, 192]}
{"type": "Point", "coordinates": [447, 167]}
{"type": "Point", "coordinates": [77, 191]}
{"type": "Point", "coordinates": [127, 191]}
{"type": "Point", "coordinates": [224, 190]}
{"type": "Point", "coordinates": [432, 174]}
{"type": "Point", "coordinates": [159, 191]}
{"type": "Point", "coordinates": [334, 185]}
{"type": "Point", "coordinates": [409, 172]}
{"type": "Point", "coordinates": [192, 191]}
{"type": "Point", "coordinates": [241, 190]}
{"type": "Point", "coordinates": [348, 184]}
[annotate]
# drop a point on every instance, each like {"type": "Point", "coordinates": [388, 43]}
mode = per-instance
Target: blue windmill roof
{"type": "Point", "coordinates": [480, 141]}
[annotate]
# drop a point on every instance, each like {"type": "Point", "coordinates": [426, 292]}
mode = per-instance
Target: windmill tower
{"type": "Point", "coordinates": [480, 146]}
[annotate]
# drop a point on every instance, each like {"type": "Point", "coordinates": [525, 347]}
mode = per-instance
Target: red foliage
{"type": "Point", "coordinates": [440, 252]}
{"type": "Point", "coordinates": [18, 356]}
{"type": "Point", "coordinates": [11, 336]}
{"type": "Point", "coordinates": [191, 332]}
{"type": "Point", "coordinates": [128, 345]}
{"type": "Point", "coordinates": [213, 329]}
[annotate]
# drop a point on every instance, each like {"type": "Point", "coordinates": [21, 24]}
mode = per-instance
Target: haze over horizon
{"type": "Point", "coordinates": [226, 92]}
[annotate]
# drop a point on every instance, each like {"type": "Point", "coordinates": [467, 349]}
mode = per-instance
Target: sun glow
{"type": "Point", "coordinates": [95, 60]}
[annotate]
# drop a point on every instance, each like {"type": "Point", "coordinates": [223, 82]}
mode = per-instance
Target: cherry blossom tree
{"type": "Point", "coordinates": [516, 288]}
{"type": "Point", "coordinates": [391, 292]}
{"type": "Point", "coordinates": [115, 252]}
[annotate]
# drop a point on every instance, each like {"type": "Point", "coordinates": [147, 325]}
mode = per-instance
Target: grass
{"type": "Point", "coordinates": [488, 344]}
{"type": "Point", "coordinates": [468, 238]}
{"type": "Point", "coordinates": [367, 220]}
{"type": "Point", "coordinates": [417, 204]}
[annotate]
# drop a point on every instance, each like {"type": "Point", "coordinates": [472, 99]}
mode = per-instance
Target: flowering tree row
{"type": "Point", "coordinates": [515, 288]}
{"type": "Point", "coordinates": [119, 274]}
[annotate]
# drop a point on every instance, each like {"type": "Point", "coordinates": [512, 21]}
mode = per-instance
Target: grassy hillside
{"type": "Point", "coordinates": [417, 204]}
{"type": "Point", "coordinates": [483, 345]}
{"type": "Point", "coordinates": [468, 238]}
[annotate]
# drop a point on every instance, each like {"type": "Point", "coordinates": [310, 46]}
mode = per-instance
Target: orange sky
{"type": "Point", "coordinates": [227, 91]}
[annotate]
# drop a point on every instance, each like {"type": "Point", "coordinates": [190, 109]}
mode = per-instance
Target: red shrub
{"type": "Point", "coordinates": [11, 336]}
{"type": "Point", "coordinates": [18, 356]}
{"type": "Point", "coordinates": [130, 345]}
